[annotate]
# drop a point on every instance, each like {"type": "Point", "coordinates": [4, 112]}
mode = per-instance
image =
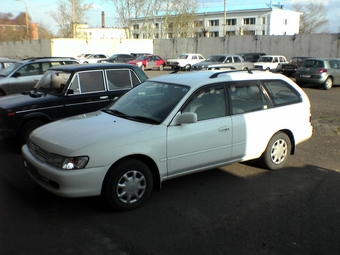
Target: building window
{"type": "Point", "coordinates": [136, 27]}
{"type": "Point", "coordinates": [248, 21]}
{"type": "Point", "coordinates": [157, 36]}
{"type": "Point", "coordinates": [198, 23]}
{"type": "Point", "coordinates": [231, 22]}
{"type": "Point", "coordinates": [231, 33]}
{"type": "Point", "coordinates": [170, 35]}
{"type": "Point", "coordinates": [285, 22]}
{"type": "Point", "coordinates": [214, 34]}
{"type": "Point", "coordinates": [214, 23]}
{"type": "Point", "coordinates": [263, 20]}
{"type": "Point", "coordinates": [156, 25]}
{"type": "Point", "coordinates": [263, 32]}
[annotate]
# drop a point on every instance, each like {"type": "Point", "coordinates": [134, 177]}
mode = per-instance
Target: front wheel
{"type": "Point", "coordinates": [161, 68]}
{"type": "Point", "coordinates": [127, 185]}
{"type": "Point", "coordinates": [328, 83]}
{"type": "Point", "coordinates": [277, 152]}
{"type": "Point", "coordinates": [187, 67]}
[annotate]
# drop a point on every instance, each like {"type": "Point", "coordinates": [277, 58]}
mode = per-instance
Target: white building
{"type": "Point", "coordinates": [251, 19]}
{"type": "Point", "coordinates": [85, 32]}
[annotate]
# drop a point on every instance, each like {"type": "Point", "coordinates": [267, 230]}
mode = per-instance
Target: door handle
{"type": "Point", "coordinates": [104, 97]}
{"type": "Point", "coordinates": [224, 129]}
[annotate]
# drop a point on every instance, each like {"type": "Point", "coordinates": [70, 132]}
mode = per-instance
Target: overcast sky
{"type": "Point", "coordinates": [38, 10]}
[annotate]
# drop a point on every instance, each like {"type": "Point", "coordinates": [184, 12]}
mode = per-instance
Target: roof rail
{"type": "Point", "coordinates": [215, 75]}
{"type": "Point", "coordinates": [37, 58]}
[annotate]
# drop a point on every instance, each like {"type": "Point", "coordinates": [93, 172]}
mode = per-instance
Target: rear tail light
{"type": "Point", "coordinates": [322, 70]}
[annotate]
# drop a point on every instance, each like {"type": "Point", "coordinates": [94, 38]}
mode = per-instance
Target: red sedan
{"type": "Point", "coordinates": [149, 62]}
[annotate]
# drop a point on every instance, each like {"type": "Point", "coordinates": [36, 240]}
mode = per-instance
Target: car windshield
{"type": "Point", "coordinates": [216, 58]}
{"type": "Point", "coordinates": [89, 56]}
{"type": "Point", "coordinates": [113, 56]}
{"type": "Point", "coordinates": [9, 69]}
{"type": "Point", "coordinates": [183, 56]}
{"type": "Point", "coordinates": [150, 102]}
{"type": "Point", "coordinates": [53, 82]}
{"type": "Point", "coordinates": [265, 59]}
{"type": "Point", "coordinates": [313, 63]}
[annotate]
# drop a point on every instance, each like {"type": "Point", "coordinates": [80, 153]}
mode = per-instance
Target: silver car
{"type": "Point", "coordinates": [24, 74]}
{"type": "Point", "coordinates": [322, 72]}
{"type": "Point", "coordinates": [221, 61]}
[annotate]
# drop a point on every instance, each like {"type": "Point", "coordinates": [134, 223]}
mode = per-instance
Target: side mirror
{"type": "Point", "coordinates": [17, 74]}
{"type": "Point", "coordinates": [187, 118]}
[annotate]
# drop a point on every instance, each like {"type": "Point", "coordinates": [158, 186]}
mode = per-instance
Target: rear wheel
{"type": "Point", "coordinates": [277, 152]}
{"type": "Point", "coordinates": [128, 184]}
{"type": "Point", "coordinates": [161, 68]}
{"type": "Point", "coordinates": [328, 83]}
{"type": "Point", "coordinates": [143, 67]}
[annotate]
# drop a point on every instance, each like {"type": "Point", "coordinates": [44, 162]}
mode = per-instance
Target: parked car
{"type": "Point", "coordinates": [221, 61]}
{"type": "Point", "coordinates": [5, 62]}
{"type": "Point", "coordinates": [82, 55]}
{"type": "Point", "coordinates": [149, 62]}
{"type": "Point", "coordinates": [185, 61]}
{"type": "Point", "coordinates": [322, 72]}
{"type": "Point", "coordinates": [65, 91]}
{"type": "Point", "coordinates": [167, 127]}
{"type": "Point", "coordinates": [271, 62]}
{"type": "Point", "coordinates": [117, 58]}
{"type": "Point", "coordinates": [24, 74]}
{"type": "Point", "coordinates": [92, 58]}
{"type": "Point", "coordinates": [251, 56]}
{"type": "Point", "coordinates": [290, 68]}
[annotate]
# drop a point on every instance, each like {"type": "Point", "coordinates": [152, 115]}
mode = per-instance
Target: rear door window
{"type": "Point", "coordinates": [281, 92]}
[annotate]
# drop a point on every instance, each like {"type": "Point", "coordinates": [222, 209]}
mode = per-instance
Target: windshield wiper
{"type": "Point", "coordinates": [144, 119]}
{"type": "Point", "coordinates": [114, 112]}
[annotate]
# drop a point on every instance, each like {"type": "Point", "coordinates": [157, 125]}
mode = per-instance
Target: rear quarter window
{"type": "Point", "coordinates": [281, 92]}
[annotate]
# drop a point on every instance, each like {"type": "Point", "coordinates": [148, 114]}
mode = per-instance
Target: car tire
{"type": "Point", "coordinates": [27, 128]}
{"type": "Point", "coordinates": [187, 67]}
{"type": "Point", "coordinates": [161, 68]}
{"type": "Point", "coordinates": [328, 84]}
{"type": "Point", "coordinates": [277, 152]}
{"type": "Point", "coordinates": [127, 185]}
{"type": "Point", "coordinates": [142, 67]}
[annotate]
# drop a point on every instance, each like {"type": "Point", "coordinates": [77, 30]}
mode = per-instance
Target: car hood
{"type": "Point", "coordinates": [26, 102]}
{"type": "Point", "coordinates": [74, 133]}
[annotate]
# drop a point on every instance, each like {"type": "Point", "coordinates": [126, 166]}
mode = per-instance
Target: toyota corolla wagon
{"type": "Point", "coordinates": [167, 127]}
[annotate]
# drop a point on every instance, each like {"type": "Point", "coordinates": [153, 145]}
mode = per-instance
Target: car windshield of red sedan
{"type": "Point", "coordinates": [52, 82]}
{"type": "Point", "coordinates": [142, 57]}
{"type": "Point", "coordinates": [150, 102]}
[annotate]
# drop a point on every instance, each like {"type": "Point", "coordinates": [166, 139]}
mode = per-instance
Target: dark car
{"type": "Point", "coordinates": [118, 58]}
{"type": "Point", "coordinates": [24, 74]}
{"type": "Point", "coordinates": [290, 68]}
{"type": "Point", "coordinates": [251, 56]}
{"type": "Point", "coordinates": [66, 91]}
{"type": "Point", "coordinates": [321, 72]}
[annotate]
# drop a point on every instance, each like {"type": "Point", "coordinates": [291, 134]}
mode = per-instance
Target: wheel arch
{"type": "Point", "coordinates": [146, 160]}
{"type": "Point", "coordinates": [290, 134]}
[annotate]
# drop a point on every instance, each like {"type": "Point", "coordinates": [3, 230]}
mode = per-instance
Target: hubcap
{"type": "Point", "coordinates": [131, 187]}
{"type": "Point", "coordinates": [279, 151]}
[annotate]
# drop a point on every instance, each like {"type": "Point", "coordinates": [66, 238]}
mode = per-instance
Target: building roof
{"type": "Point", "coordinates": [238, 8]}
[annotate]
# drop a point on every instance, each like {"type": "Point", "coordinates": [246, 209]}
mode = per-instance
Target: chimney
{"type": "Point", "coordinates": [103, 20]}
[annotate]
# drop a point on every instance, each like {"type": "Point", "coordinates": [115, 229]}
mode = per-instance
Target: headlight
{"type": "Point", "coordinates": [68, 163]}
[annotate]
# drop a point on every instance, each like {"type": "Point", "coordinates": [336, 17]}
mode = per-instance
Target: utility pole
{"type": "Point", "coordinates": [225, 19]}
{"type": "Point", "coordinates": [26, 17]}
{"type": "Point", "coordinates": [73, 21]}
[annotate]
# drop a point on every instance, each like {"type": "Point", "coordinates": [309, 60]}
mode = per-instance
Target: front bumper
{"type": "Point", "coordinates": [66, 183]}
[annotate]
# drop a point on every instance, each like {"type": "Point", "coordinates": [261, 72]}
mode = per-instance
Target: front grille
{"type": "Point", "coordinates": [37, 151]}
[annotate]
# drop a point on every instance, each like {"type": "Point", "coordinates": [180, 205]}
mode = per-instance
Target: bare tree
{"type": "Point", "coordinates": [175, 16]}
{"type": "Point", "coordinates": [64, 15]}
{"type": "Point", "coordinates": [314, 18]}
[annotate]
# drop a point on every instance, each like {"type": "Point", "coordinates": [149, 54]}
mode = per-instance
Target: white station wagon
{"type": "Point", "coordinates": [170, 126]}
